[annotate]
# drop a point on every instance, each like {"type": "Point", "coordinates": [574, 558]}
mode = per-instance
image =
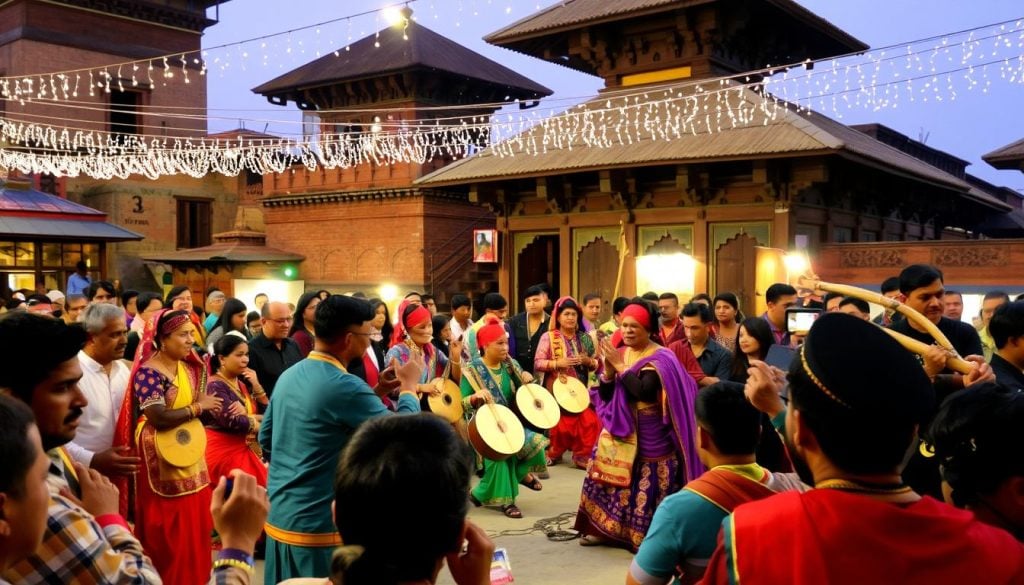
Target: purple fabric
{"type": "Point", "coordinates": [680, 393]}
{"type": "Point", "coordinates": [626, 518]}
{"type": "Point", "coordinates": [654, 437]}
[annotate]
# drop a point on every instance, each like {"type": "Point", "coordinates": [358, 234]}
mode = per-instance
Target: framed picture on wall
{"type": "Point", "coordinates": [485, 245]}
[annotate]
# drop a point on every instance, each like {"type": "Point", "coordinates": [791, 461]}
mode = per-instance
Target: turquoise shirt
{"type": "Point", "coordinates": [685, 527]}
{"type": "Point", "coordinates": [315, 409]}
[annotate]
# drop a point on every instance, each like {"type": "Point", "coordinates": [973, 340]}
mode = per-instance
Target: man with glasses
{"type": "Point", "coordinates": [272, 351]}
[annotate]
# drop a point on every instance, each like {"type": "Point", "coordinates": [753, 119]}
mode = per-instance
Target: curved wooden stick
{"type": "Point", "coordinates": [954, 363]}
{"type": "Point", "coordinates": [812, 283]}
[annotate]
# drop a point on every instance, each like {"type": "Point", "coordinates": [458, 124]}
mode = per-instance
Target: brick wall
{"type": "Point", "coordinates": [359, 245]}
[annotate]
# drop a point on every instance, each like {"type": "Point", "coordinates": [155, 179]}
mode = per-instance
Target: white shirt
{"type": "Point", "coordinates": [457, 329]}
{"type": "Point", "coordinates": [105, 394]}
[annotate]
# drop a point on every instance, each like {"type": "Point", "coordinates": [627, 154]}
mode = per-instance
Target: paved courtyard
{"type": "Point", "coordinates": [535, 559]}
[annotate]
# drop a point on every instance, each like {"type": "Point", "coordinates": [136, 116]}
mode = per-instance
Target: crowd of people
{"type": "Point", "coordinates": [147, 439]}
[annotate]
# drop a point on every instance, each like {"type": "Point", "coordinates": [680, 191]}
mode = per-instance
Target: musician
{"type": "Point", "coordinates": [852, 420]}
{"type": "Point", "coordinates": [566, 351]}
{"type": "Point", "coordinates": [646, 449]}
{"type": "Point", "coordinates": [496, 305]}
{"type": "Point", "coordinates": [528, 327]}
{"type": "Point", "coordinates": [493, 378]}
{"type": "Point", "coordinates": [412, 340]}
{"type": "Point", "coordinates": [922, 287]}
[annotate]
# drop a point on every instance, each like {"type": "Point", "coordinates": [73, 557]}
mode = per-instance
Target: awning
{"type": "Point", "coordinates": [77, 229]}
{"type": "Point", "coordinates": [226, 252]}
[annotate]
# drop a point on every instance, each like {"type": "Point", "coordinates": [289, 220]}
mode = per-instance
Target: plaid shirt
{"type": "Point", "coordinates": [79, 549]}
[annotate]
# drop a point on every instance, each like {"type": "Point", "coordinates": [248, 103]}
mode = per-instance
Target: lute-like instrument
{"type": "Point", "coordinates": [447, 404]}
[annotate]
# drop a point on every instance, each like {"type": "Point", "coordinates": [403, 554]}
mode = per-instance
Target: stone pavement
{"type": "Point", "coordinates": [535, 559]}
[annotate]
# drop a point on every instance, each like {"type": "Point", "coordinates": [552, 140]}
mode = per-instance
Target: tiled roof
{"type": "Point", "coordinates": [790, 133]}
{"type": "Point", "coordinates": [1010, 156]}
{"type": "Point", "coordinates": [425, 49]}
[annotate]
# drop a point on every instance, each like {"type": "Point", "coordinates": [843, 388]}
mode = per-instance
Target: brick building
{"type": "Point", "coordinates": [715, 199]}
{"type": "Point", "coordinates": [364, 225]}
{"type": "Point", "coordinates": [62, 35]}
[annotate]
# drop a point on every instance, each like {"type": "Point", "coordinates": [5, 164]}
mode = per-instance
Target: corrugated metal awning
{"type": "Point", "coordinates": [77, 229]}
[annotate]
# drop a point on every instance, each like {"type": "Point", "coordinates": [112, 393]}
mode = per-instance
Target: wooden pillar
{"type": "Point", "coordinates": [628, 287]}
{"type": "Point", "coordinates": [701, 254]}
{"type": "Point", "coordinates": [505, 265]}
{"type": "Point", "coordinates": [566, 260]}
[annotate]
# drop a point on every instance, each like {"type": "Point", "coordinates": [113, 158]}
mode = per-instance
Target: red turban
{"type": "Point", "coordinates": [642, 315]}
{"type": "Point", "coordinates": [406, 322]}
{"type": "Point", "coordinates": [492, 331]}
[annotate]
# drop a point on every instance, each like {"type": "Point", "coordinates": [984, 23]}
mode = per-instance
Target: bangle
{"type": "Point", "coordinates": [236, 554]}
{"type": "Point", "coordinates": [195, 410]}
{"type": "Point", "coordinates": [221, 563]}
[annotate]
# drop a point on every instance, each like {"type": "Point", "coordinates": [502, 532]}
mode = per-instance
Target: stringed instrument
{"type": "Point", "coordinates": [537, 407]}
{"type": "Point", "coordinates": [447, 404]}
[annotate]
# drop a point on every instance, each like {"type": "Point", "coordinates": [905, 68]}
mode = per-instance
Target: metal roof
{"type": "Point", "coordinates": [790, 133]}
{"type": "Point", "coordinates": [424, 49]}
{"type": "Point", "coordinates": [16, 196]}
{"type": "Point", "coordinates": [78, 229]}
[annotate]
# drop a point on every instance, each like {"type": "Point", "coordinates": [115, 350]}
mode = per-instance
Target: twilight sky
{"type": "Point", "coordinates": [972, 125]}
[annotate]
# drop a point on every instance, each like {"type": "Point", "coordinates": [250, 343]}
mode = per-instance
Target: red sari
{"type": "Point", "coordinates": [839, 538]}
{"type": "Point", "coordinates": [231, 440]}
{"type": "Point", "coordinates": [172, 504]}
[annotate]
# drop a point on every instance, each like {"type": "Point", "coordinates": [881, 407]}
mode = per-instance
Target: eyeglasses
{"type": "Point", "coordinates": [283, 321]}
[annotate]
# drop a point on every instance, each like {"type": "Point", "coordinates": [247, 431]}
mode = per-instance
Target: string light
{"type": "Point", "coordinates": [935, 69]}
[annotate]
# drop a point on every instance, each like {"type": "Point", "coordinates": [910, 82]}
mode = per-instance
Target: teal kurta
{"type": "Point", "coordinates": [315, 409]}
{"type": "Point", "coordinates": [500, 484]}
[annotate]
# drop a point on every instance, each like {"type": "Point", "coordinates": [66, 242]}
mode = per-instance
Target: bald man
{"type": "Point", "coordinates": [272, 351]}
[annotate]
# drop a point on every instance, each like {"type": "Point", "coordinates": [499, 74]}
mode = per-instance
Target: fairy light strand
{"type": "Point", "coordinates": [882, 79]}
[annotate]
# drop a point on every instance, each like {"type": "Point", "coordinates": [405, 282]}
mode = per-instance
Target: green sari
{"type": "Point", "coordinates": [500, 484]}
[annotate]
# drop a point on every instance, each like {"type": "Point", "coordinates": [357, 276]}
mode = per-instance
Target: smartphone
{"type": "Point", "coordinates": [230, 484]}
{"type": "Point", "coordinates": [799, 319]}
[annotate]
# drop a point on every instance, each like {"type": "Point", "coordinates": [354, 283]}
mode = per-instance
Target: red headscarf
{"type": "Point", "coordinates": [492, 331]}
{"type": "Point", "coordinates": [642, 315]}
{"type": "Point", "coordinates": [417, 316]}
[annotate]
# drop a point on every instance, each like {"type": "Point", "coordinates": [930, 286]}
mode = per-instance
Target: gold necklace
{"type": "Point", "coordinates": [852, 486]}
{"type": "Point", "coordinates": [633, 356]}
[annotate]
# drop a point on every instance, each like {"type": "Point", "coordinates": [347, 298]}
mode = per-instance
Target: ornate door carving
{"type": "Point", "coordinates": [736, 260]}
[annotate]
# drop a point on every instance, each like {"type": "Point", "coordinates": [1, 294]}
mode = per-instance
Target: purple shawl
{"type": "Point", "coordinates": [680, 393]}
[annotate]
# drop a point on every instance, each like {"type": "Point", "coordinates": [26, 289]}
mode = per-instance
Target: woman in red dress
{"type": "Point", "coordinates": [231, 432]}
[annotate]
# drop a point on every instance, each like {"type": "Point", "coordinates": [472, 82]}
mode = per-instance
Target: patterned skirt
{"type": "Point", "coordinates": [624, 514]}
